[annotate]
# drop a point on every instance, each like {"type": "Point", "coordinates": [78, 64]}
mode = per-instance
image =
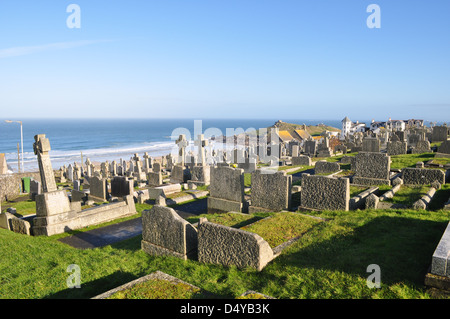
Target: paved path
{"type": "Point", "coordinates": [117, 232]}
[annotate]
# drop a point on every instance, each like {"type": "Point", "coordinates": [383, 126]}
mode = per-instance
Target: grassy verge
{"type": "Point", "coordinates": [329, 261]}
{"type": "Point", "coordinates": [407, 195]}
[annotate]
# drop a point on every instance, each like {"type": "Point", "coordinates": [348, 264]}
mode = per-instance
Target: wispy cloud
{"type": "Point", "coordinates": [27, 50]}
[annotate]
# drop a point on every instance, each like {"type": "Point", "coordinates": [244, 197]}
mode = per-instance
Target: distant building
{"type": "Point", "coordinates": [350, 128]}
{"type": "Point", "coordinates": [395, 125]}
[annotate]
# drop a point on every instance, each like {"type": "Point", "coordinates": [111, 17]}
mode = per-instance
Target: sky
{"type": "Point", "coordinates": [311, 59]}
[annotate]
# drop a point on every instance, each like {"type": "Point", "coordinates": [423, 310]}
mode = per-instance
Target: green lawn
{"type": "Point", "coordinates": [407, 195]}
{"type": "Point", "coordinates": [329, 261]}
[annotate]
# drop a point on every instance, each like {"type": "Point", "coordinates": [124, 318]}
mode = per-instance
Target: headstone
{"type": "Point", "coordinates": [35, 189]}
{"type": "Point", "coordinates": [41, 148]}
{"type": "Point", "coordinates": [182, 144]}
{"type": "Point", "coordinates": [323, 149]}
{"type": "Point", "coordinates": [270, 192]}
{"type": "Point", "coordinates": [295, 150]}
{"type": "Point", "coordinates": [422, 147]}
{"type": "Point", "coordinates": [98, 188]}
{"type": "Point", "coordinates": [156, 167]}
{"type": "Point", "coordinates": [70, 173]}
{"type": "Point", "coordinates": [218, 244]}
{"type": "Point", "coordinates": [310, 148]}
{"type": "Point", "coordinates": [324, 167]}
{"type": "Point", "coordinates": [201, 174]}
{"type": "Point", "coordinates": [164, 232]}
{"type": "Point", "coordinates": [201, 143]}
{"type": "Point", "coordinates": [301, 160]}
{"type": "Point", "coordinates": [325, 193]}
{"type": "Point", "coordinates": [3, 165]}
{"type": "Point", "coordinates": [226, 190]}
{"type": "Point", "coordinates": [121, 186]}
{"type": "Point", "coordinates": [371, 169]}
{"type": "Point", "coordinates": [439, 134]}
{"type": "Point", "coordinates": [370, 144]}
{"type": "Point", "coordinates": [154, 179]}
{"type": "Point", "coordinates": [422, 176]}
{"type": "Point", "coordinates": [396, 148]}
{"type": "Point", "coordinates": [179, 174]}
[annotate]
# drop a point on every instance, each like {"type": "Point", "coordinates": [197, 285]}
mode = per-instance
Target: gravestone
{"type": "Point", "coordinates": [396, 148]}
{"type": "Point", "coordinates": [443, 149]}
{"type": "Point", "coordinates": [182, 144]}
{"type": "Point", "coordinates": [370, 144]}
{"type": "Point", "coordinates": [301, 160]}
{"type": "Point", "coordinates": [324, 150]}
{"type": "Point", "coordinates": [179, 174]}
{"type": "Point", "coordinates": [439, 134]}
{"type": "Point", "coordinates": [154, 179]}
{"type": "Point", "coordinates": [422, 176]}
{"type": "Point", "coordinates": [270, 191]}
{"type": "Point", "coordinates": [164, 232]}
{"type": "Point", "coordinates": [88, 167]}
{"type": "Point", "coordinates": [371, 169]}
{"type": "Point", "coordinates": [324, 167]}
{"type": "Point", "coordinates": [310, 148]}
{"type": "Point", "coordinates": [121, 186]}
{"type": "Point", "coordinates": [148, 163]}
{"type": "Point", "coordinates": [295, 150]}
{"type": "Point", "coordinates": [35, 189]}
{"type": "Point", "coordinates": [218, 244]}
{"type": "Point", "coordinates": [156, 167]}
{"type": "Point", "coordinates": [422, 147]}
{"type": "Point", "coordinates": [226, 190]}
{"type": "Point", "coordinates": [41, 148]}
{"type": "Point", "coordinates": [3, 165]}
{"type": "Point", "coordinates": [98, 188]}
{"type": "Point", "coordinates": [325, 193]}
{"type": "Point", "coordinates": [201, 175]}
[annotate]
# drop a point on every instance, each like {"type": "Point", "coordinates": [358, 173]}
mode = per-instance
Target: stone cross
{"type": "Point", "coordinates": [201, 143]}
{"type": "Point", "coordinates": [147, 163]}
{"type": "Point", "coordinates": [182, 144]}
{"type": "Point", "coordinates": [41, 148]}
{"type": "Point", "coordinates": [137, 160]}
{"type": "Point", "coordinates": [88, 167]}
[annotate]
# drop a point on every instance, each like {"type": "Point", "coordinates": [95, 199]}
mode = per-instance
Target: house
{"type": "Point", "coordinates": [395, 125]}
{"type": "Point", "coordinates": [350, 128]}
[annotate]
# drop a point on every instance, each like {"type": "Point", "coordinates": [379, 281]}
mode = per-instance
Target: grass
{"type": "Point", "coordinates": [24, 206]}
{"type": "Point", "coordinates": [355, 190]}
{"type": "Point", "coordinates": [158, 289]}
{"type": "Point", "coordinates": [407, 195]}
{"type": "Point", "coordinates": [230, 219]}
{"type": "Point", "coordinates": [410, 160]}
{"type": "Point", "coordinates": [281, 227]}
{"type": "Point", "coordinates": [329, 261]}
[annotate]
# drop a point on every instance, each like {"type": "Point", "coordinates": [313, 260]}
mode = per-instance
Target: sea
{"type": "Point", "coordinates": [72, 140]}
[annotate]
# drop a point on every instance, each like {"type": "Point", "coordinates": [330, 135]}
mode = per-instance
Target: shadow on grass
{"type": "Point", "coordinates": [95, 287]}
{"type": "Point", "coordinates": [402, 247]}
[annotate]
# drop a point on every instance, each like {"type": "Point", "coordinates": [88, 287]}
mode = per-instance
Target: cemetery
{"type": "Point", "coordinates": [206, 224]}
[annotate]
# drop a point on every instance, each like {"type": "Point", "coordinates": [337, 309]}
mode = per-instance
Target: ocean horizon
{"type": "Point", "coordinates": [114, 139]}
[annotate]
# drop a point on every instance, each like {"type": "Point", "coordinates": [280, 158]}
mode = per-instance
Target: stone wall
{"type": "Point", "coordinates": [325, 193]}
{"type": "Point", "coordinates": [422, 176]}
{"type": "Point", "coordinates": [11, 185]}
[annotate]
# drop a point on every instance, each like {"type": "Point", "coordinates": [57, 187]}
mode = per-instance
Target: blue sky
{"type": "Point", "coordinates": [225, 59]}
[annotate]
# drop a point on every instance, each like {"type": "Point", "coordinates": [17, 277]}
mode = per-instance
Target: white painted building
{"type": "Point", "coordinates": [350, 128]}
